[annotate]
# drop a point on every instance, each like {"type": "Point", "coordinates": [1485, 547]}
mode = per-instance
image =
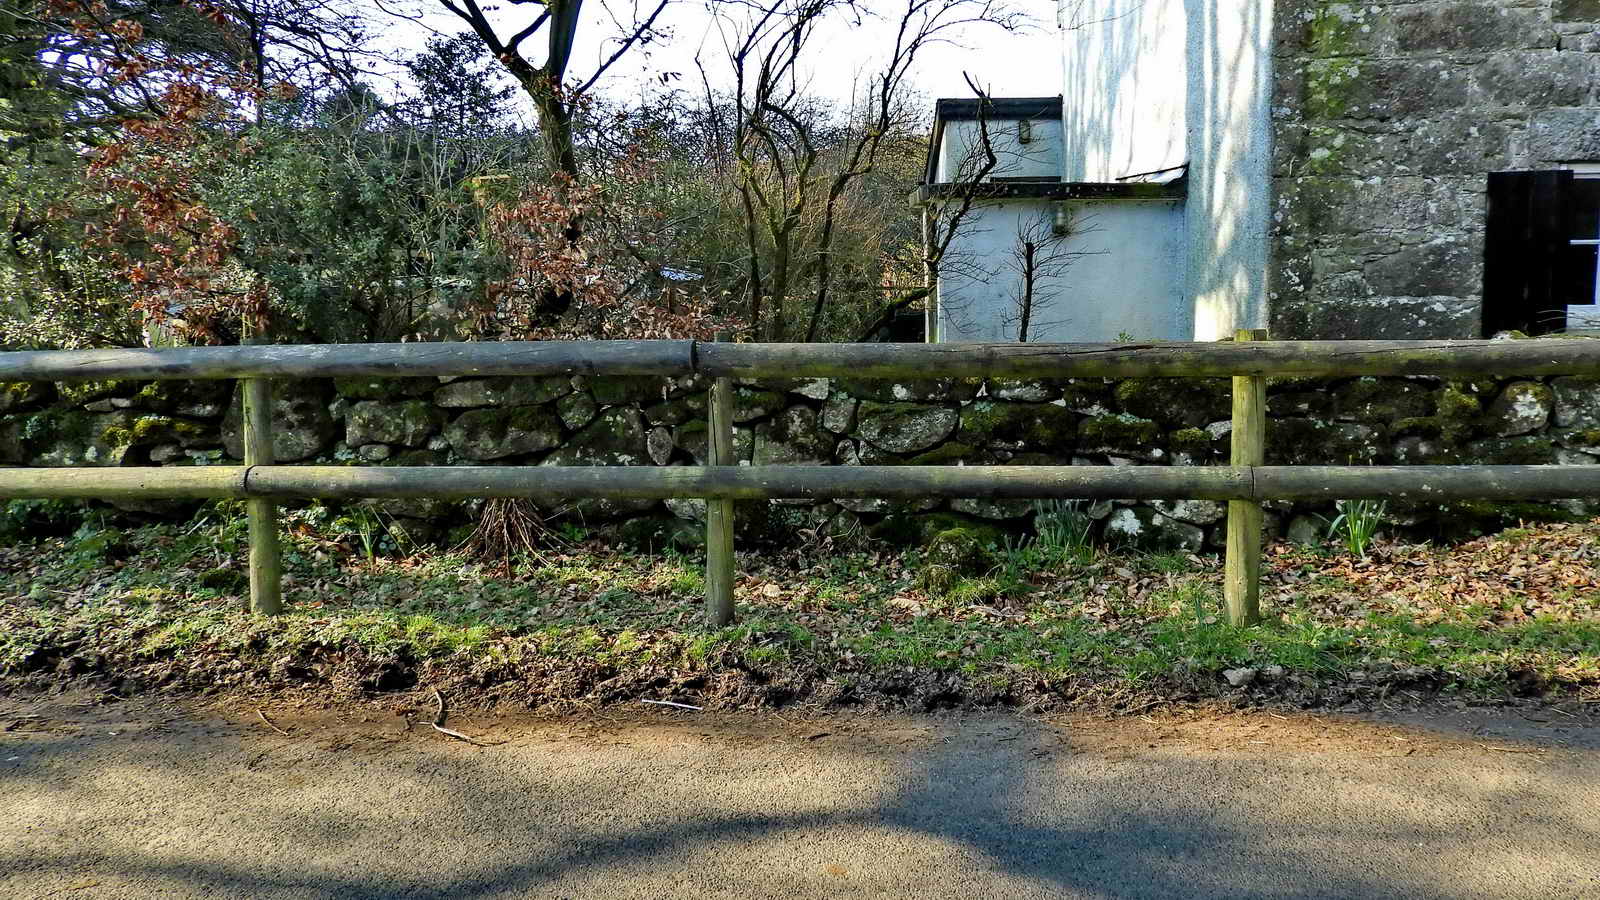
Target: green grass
{"type": "Point", "coordinates": [1143, 619]}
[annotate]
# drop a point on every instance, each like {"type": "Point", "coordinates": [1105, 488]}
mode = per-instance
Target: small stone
{"type": "Point", "coordinates": [839, 414]}
{"type": "Point", "coordinates": [1522, 408]}
{"type": "Point", "coordinates": [576, 410]}
{"type": "Point", "coordinates": [815, 389]}
{"type": "Point", "coordinates": [1577, 402]}
{"type": "Point", "coordinates": [1239, 677]}
{"type": "Point", "coordinates": [658, 443]}
{"type": "Point", "coordinates": [165, 453]}
{"type": "Point", "coordinates": [502, 392]}
{"type": "Point", "coordinates": [375, 452]}
{"type": "Point", "coordinates": [1303, 530]}
{"type": "Point", "coordinates": [904, 427]}
{"type": "Point", "coordinates": [1272, 673]}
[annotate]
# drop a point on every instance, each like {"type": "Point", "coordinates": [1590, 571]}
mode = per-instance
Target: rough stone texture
{"type": "Point", "coordinates": [793, 438]}
{"type": "Point", "coordinates": [615, 438]}
{"type": "Point", "coordinates": [1386, 119]}
{"type": "Point", "coordinates": [502, 391]}
{"type": "Point", "coordinates": [302, 427]}
{"type": "Point", "coordinates": [410, 423]}
{"type": "Point", "coordinates": [659, 445]}
{"type": "Point", "coordinates": [1195, 512]}
{"type": "Point", "coordinates": [1523, 407]}
{"type": "Point", "coordinates": [1415, 420]}
{"type": "Point", "coordinates": [576, 410]}
{"type": "Point", "coordinates": [1577, 402]}
{"type": "Point", "coordinates": [905, 427]}
{"type": "Point", "coordinates": [1141, 526]}
{"type": "Point", "coordinates": [494, 433]}
{"type": "Point", "coordinates": [839, 413]}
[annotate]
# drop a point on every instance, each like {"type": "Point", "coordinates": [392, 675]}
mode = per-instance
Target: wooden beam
{"type": "Point", "coordinates": [164, 483]}
{"type": "Point", "coordinates": [338, 360]}
{"type": "Point", "coordinates": [266, 564]}
{"type": "Point", "coordinates": [1426, 484]}
{"type": "Point", "coordinates": [751, 482]}
{"type": "Point", "coordinates": [719, 513]}
{"type": "Point", "coordinates": [1153, 360]}
{"type": "Point", "coordinates": [1326, 483]}
{"type": "Point", "coordinates": [1241, 580]}
{"type": "Point", "coordinates": [1554, 356]}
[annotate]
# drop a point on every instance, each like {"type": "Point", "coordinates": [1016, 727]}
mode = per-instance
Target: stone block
{"type": "Point", "coordinates": [410, 423]}
{"type": "Point", "coordinates": [1577, 402]}
{"type": "Point", "coordinates": [502, 392]}
{"type": "Point", "coordinates": [1523, 407]}
{"type": "Point", "coordinates": [1470, 25]}
{"type": "Point", "coordinates": [495, 433]}
{"type": "Point", "coordinates": [905, 427]}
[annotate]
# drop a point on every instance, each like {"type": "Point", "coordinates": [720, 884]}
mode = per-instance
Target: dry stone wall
{"type": "Point", "coordinates": [1387, 118]}
{"type": "Point", "coordinates": [657, 422]}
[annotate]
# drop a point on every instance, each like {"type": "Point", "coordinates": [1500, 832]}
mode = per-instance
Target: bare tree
{"type": "Point", "coordinates": [555, 93]}
{"type": "Point", "coordinates": [947, 212]}
{"type": "Point", "coordinates": [1039, 258]}
{"type": "Point", "coordinates": [795, 166]}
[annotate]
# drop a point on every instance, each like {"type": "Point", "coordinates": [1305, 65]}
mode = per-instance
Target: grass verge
{"type": "Point", "coordinates": [1517, 614]}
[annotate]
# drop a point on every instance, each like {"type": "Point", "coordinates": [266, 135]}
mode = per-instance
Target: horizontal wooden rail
{"type": "Point", "coordinates": [340, 360]}
{"type": "Point", "coordinates": [1423, 483]}
{"type": "Point", "coordinates": [1566, 356]}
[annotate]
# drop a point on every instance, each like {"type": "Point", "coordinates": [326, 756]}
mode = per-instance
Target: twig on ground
{"type": "Point", "coordinates": [438, 725]}
{"type": "Point", "coordinates": [269, 723]}
{"type": "Point", "coordinates": [1511, 749]}
{"type": "Point", "coordinates": [670, 703]}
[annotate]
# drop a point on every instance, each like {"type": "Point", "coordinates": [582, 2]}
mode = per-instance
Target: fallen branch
{"type": "Point", "coordinates": [269, 723]}
{"type": "Point", "coordinates": [438, 725]}
{"type": "Point", "coordinates": [1510, 749]}
{"type": "Point", "coordinates": [670, 703]}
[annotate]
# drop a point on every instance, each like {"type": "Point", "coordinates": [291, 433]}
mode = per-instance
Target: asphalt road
{"type": "Point", "coordinates": [149, 798]}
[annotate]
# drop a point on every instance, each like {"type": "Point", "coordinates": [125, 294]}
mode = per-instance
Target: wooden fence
{"type": "Point", "coordinates": [1244, 484]}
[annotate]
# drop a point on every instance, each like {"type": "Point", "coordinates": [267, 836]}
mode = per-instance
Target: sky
{"type": "Point", "coordinates": [1006, 64]}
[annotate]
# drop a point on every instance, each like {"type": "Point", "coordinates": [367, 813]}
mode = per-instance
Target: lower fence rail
{"type": "Point", "coordinates": [1415, 483]}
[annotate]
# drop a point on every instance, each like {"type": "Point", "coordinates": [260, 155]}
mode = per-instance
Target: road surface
{"type": "Point", "coordinates": [153, 797]}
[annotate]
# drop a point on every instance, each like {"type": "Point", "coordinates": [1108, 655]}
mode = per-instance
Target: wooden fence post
{"type": "Point", "coordinates": [719, 513]}
{"type": "Point", "coordinates": [266, 565]}
{"type": "Point", "coordinates": [1242, 571]}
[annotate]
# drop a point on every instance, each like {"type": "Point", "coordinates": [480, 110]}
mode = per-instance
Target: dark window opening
{"type": "Point", "coordinates": [1541, 252]}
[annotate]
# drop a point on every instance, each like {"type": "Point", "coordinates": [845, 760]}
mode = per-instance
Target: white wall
{"type": "Point", "coordinates": [1155, 83]}
{"type": "Point", "coordinates": [1125, 87]}
{"type": "Point", "coordinates": [1041, 156]}
{"type": "Point", "coordinates": [1133, 284]}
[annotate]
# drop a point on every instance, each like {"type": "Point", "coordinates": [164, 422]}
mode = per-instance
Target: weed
{"type": "Point", "coordinates": [1357, 523]}
{"type": "Point", "coordinates": [1064, 529]}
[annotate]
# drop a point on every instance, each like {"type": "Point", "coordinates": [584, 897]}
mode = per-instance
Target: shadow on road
{"type": "Point", "coordinates": [988, 806]}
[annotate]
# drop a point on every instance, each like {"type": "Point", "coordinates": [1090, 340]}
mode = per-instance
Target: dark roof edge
{"type": "Point", "coordinates": [999, 108]}
{"type": "Point", "coordinates": [1063, 190]}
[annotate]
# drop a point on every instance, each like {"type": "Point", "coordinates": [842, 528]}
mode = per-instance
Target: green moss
{"type": "Point", "coordinates": [1331, 87]}
{"type": "Point", "coordinates": [1516, 451]}
{"type": "Point", "coordinates": [1333, 31]}
{"type": "Point", "coordinates": [81, 392]}
{"type": "Point", "coordinates": [1040, 425]}
{"type": "Point", "coordinates": [949, 556]}
{"type": "Point", "coordinates": [1382, 400]}
{"type": "Point", "coordinates": [911, 530]}
{"type": "Point", "coordinates": [370, 388]}
{"type": "Point", "coordinates": [1193, 441]}
{"type": "Point", "coordinates": [1119, 432]}
{"type": "Point", "coordinates": [1176, 402]}
{"type": "Point", "coordinates": [948, 454]}
{"type": "Point", "coordinates": [610, 391]}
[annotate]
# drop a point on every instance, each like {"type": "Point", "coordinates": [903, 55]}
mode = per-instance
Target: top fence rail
{"type": "Point", "coordinates": [1560, 356]}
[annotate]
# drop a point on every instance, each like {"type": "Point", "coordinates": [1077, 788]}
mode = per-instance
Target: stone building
{"type": "Point", "coordinates": [1423, 169]}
